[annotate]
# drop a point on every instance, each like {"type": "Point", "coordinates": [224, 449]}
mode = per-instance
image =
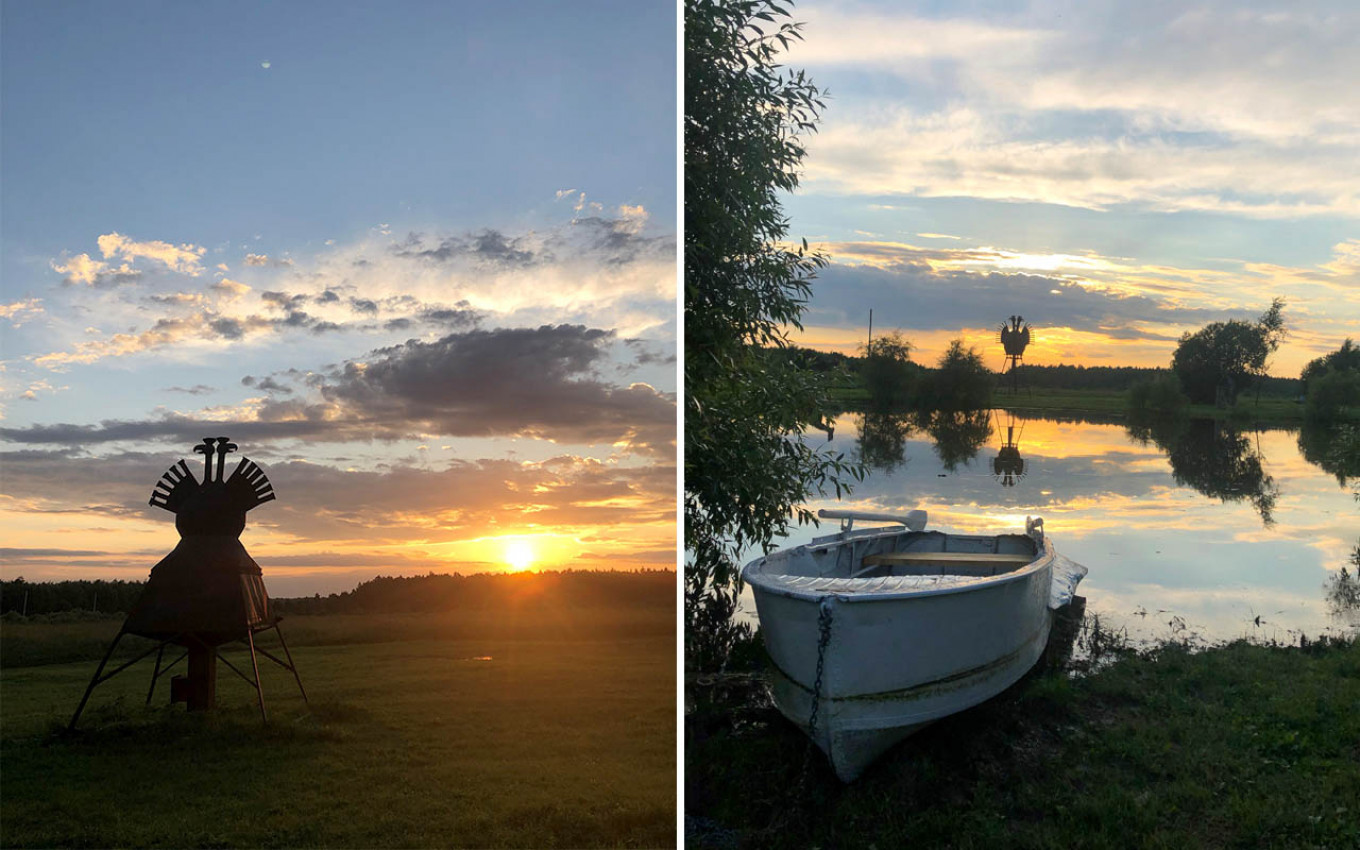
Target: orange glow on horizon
{"type": "Point", "coordinates": [1052, 346]}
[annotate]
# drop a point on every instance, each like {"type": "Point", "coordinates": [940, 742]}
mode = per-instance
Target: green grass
{"type": "Point", "coordinates": [565, 738]}
{"type": "Point", "coordinates": [1238, 746]}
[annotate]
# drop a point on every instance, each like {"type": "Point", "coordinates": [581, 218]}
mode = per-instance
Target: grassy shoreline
{"type": "Point", "coordinates": [1239, 745]}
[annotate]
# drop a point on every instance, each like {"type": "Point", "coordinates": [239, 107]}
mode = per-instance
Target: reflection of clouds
{"type": "Point", "coordinates": [1113, 505]}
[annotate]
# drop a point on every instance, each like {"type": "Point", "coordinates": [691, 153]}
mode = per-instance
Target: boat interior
{"type": "Point", "coordinates": [917, 553]}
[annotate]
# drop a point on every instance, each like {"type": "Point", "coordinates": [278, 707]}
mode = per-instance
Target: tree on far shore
{"type": "Point", "coordinates": [888, 372]}
{"type": "Point", "coordinates": [1216, 363]}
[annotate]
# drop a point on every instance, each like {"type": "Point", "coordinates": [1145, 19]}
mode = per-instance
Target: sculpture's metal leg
{"type": "Point", "coordinates": [94, 681]}
{"type": "Point", "coordinates": [291, 664]}
{"type": "Point", "coordinates": [255, 664]}
{"type": "Point", "coordinates": [155, 674]}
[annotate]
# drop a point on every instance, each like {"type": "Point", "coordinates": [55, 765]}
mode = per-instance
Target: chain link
{"type": "Point", "coordinates": [823, 638]}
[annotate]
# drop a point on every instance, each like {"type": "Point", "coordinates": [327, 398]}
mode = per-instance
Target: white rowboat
{"type": "Point", "coordinates": [876, 632]}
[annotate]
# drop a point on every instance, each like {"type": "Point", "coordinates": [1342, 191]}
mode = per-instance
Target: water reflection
{"type": "Point", "coordinates": [1167, 515]}
{"type": "Point", "coordinates": [1008, 465]}
{"type": "Point", "coordinates": [957, 435]}
{"type": "Point", "coordinates": [1213, 458]}
{"type": "Point", "coordinates": [882, 439]}
{"type": "Point", "coordinates": [1334, 448]}
{"type": "Point", "coordinates": [1342, 592]}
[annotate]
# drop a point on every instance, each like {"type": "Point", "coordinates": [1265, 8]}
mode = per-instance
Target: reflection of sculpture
{"type": "Point", "coordinates": [208, 591]}
{"type": "Point", "coordinates": [1014, 339]}
{"type": "Point", "coordinates": [1008, 465]}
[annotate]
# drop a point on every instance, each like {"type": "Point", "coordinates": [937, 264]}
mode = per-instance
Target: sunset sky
{"type": "Point", "coordinates": [416, 259]}
{"type": "Point", "coordinates": [1116, 172]}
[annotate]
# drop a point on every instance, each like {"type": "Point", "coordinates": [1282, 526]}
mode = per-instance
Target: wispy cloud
{"type": "Point", "coordinates": [1226, 107]}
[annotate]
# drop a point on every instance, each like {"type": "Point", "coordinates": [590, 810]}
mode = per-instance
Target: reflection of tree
{"type": "Point", "coordinates": [1162, 430]}
{"type": "Point", "coordinates": [958, 435]}
{"type": "Point", "coordinates": [882, 437]}
{"type": "Point", "coordinates": [1343, 591]}
{"type": "Point", "coordinates": [1214, 459]}
{"type": "Point", "coordinates": [1335, 448]}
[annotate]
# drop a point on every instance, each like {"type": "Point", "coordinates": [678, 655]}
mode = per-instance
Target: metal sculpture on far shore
{"type": "Point", "coordinates": [1014, 338]}
{"type": "Point", "coordinates": [208, 592]}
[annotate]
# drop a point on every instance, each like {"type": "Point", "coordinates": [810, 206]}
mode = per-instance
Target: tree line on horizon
{"type": "Point", "coordinates": [381, 594]}
{"type": "Point", "coordinates": [1059, 376]}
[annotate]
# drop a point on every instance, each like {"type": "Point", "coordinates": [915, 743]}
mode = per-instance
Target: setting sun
{"type": "Point", "coordinates": [519, 555]}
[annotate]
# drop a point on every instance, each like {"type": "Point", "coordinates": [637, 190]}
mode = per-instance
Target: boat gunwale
{"type": "Point", "coordinates": [754, 576]}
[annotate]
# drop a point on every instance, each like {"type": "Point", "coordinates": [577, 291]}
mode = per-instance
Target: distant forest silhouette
{"type": "Point", "coordinates": [1059, 377]}
{"type": "Point", "coordinates": [433, 592]}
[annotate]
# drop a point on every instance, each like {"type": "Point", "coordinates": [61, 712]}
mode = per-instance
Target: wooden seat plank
{"type": "Point", "coordinates": [971, 559]}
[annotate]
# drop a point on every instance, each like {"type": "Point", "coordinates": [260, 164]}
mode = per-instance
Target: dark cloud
{"type": "Point", "coordinates": [228, 328]}
{"type": "Point", "coordinates": [537, 382]}
{"type": "Point", "coordinates": [267, 384]}
{"type": "Point", "coordinates": [327, 297]}
{"type": "Point", "coordinates": [909, 295]}
{"type": "Point", "coordinates": [283, 300]}
{"type": "Point", "coordinates": [364, 305]}
{"type": "Point", "coordinates": [320, 502]}
{"type": "Point", "coordinates": [453, 318]}
{"type": "Point", "coordinates": [647, 354]}
{"type": "Point", "coordinates": [618, 241]}
{"type": "Point", "coordinates": [196, 389]}
{"type": "Point", "coordinates": [106, 279]}
{"type": "Point", "coordinates": [490, 246]}
{"type": "Point", "coordinates": [532, 381]}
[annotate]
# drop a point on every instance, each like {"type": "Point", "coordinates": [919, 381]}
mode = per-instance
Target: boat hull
{"type": "Point", "coordinates": [894, 662]}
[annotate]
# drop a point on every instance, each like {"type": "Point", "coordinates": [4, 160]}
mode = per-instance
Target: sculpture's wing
{"type": "Point", "coordinates": [248, 486]}
{"type": "Point", "coordinates": [1024, 336]}
{"type": "Point", "coordinates": [174, 488]}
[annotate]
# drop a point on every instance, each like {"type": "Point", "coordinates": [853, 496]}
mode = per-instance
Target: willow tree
{"type": "Point", "coordinates": [746, 472]}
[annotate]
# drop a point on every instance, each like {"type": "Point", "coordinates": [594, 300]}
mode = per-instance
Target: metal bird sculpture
{"type": "Point", "coordinates": [208, 591]}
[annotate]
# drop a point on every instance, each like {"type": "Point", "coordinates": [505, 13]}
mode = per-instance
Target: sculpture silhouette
{"type": "Point", "coordinates": [208, 591]}
{"type": "Point", "coordinates": [1014, 339]}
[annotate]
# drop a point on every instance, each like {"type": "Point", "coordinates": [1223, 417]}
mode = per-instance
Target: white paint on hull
{"type": "Point", "coordinates": [900, 654]}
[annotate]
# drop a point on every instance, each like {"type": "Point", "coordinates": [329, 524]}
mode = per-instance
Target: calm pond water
{"type": "Point", "coordinates": [1191, 530]}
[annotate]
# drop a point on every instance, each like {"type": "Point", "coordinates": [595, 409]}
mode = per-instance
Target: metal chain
{"type": "Point", "coordinates": [823, 638]}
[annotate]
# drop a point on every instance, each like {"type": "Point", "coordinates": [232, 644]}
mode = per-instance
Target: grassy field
{"type": "Point", "coordinates": [423, 730]}
{"type": "Point", "coordinates": [1239, 746]}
